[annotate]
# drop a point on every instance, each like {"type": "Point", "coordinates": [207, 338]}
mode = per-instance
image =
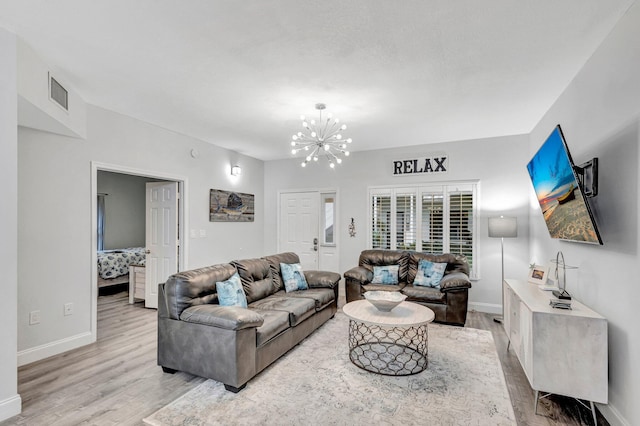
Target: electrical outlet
{"type": "Point", "coordinates": [34, 317]}
{"type": "Point", "coordinates": [68, 309]}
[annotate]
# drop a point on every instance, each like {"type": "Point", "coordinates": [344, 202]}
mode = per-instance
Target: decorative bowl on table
{"type": "Point", "coordinates": [384, 301]}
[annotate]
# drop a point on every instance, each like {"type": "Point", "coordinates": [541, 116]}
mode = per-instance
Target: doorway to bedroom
{"type": "Point", "coordinates": [121, 233]}
{"type": "Point", "coordinates": [137, 222]}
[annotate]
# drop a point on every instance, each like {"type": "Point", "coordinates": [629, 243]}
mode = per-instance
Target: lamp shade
{"type": "Point", "coordinates": [503, 227]}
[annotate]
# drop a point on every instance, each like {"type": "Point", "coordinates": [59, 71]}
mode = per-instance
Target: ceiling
{"type": "Point", "coordinates": [239, 74]}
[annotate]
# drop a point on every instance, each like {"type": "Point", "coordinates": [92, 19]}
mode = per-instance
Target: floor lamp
{"type": "Point", "coordinates": [502, 227]}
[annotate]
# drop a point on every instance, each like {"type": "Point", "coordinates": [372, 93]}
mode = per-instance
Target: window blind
{"type": "Point", "coordinates": [381, 221]}
{"type": "Point", "coordinates": [432, 222]}
{"type": "Point", "coordinates": [437, 219]}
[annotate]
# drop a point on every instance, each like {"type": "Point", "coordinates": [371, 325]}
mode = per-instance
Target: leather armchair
{"type": "Point", "coordinates": [448, 302]}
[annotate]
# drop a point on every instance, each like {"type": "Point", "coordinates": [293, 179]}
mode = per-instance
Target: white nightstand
{"type": "Point", "coordinates": [136, 282]}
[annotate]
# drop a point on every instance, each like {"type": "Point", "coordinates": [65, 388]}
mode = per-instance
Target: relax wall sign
{"type": "Point", "coordinates": [432, 164]}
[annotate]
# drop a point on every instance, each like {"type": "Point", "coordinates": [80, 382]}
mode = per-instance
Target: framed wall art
{"type": "Point", "coordinates": [229, 206]}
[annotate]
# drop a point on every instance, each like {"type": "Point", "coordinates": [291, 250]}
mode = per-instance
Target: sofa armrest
{"type": "Point", "coordinates": [227, 317]}
{"type": "Point", "coordinates": [324, 279]}
{"type": "Point", "coordinates": [360, 274]}
{"type": "Point", "coordinates": [455, 281]}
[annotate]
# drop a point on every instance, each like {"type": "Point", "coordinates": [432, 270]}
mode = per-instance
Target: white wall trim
{"type": "Point", "coordinates": [37, 353]}
{"type": "Point", "coordinates": [487, 308]}
{"type": "Point", "coordinates": [613, 416]}
{"type": "Point", "coordinates": [10, 407]}
{"type": "Point", "coordinates": [183, 213]}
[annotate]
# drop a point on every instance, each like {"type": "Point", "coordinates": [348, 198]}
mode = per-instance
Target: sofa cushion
{"type": "Point", "coordinates": [455, 281]}
{"type": "Point", "coordinates": [387, 274]}
{"type": "Point", "coordinates": [359, 274]}
{"type": "Point", "coordinates": [424, 294]}
{"type": "Point", "coordinates": [194, 287]}
{"type": "Point", "coordinates": [429, 273]}
{"type": "Point", "coordinates": [230, 292]}
{"type": "Point", "coordinates": [274, 263]}
{"type": "Point", "coordinates": [321, 296]}
{"type": "Point", "coordinates": [455, 263]}
{"type": "Point", "coordinates": [293, 277]}
{"type": "Point", "coordinates": [322, 279]}
{"type": "Point", "coordinates": [299, 309]}
{"type": "Point", "coordinates": [228, 317]}
{"type": "Point", "coordinates": [256, 278]}
{"type": "Point", "coordinates": [275, 322]}
{"type": "Point", "coordinates": [376, 257]}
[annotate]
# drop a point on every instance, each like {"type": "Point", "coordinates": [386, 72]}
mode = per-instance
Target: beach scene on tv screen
{"type": "Point", "coordinates": [561, 200]}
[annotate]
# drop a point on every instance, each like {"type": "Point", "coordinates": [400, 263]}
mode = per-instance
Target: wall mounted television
{"type": "Point", "coordinates": [560, 194]}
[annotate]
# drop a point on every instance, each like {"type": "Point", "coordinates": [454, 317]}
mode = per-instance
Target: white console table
{"type": "Point", "coordinates": [562, 352]}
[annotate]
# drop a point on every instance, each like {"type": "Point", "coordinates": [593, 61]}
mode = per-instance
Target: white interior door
{"type": "Point", "coordinates": [161, 237]}
{"type": "Point", "coordinates": [299, 226]}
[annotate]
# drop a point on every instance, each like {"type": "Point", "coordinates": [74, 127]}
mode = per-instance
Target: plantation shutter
{"type": "Point", "coordinates": [432, 222]}
{"type": "Point", "coordinates": [381, 221]}
{"type": "Point", "coordinates": [461, 224]}
{"type": "Point", "coordinates": [406, 221]}
{"type": "Point", "coordinates": [437, 218]}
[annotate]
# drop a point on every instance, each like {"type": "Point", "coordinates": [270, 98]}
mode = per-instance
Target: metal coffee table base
{"type": "Point", "coordinates": [392, 350]}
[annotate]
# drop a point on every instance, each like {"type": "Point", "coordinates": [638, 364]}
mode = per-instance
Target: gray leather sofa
{"type": "Point", "coordinates": [232, 344]}
{"type": "Point", "coordinates": [448, 302]}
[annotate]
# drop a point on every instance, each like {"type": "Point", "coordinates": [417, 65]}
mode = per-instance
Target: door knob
{"type": "Point", "coordinates": [147, 251]}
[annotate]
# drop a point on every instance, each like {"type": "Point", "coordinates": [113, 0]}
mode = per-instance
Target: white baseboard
{"type": "Point", "coordinates": [612, 415]}
{"type": "Point", "coordinates": [488, 308]}
{"type": "Point", "coordinates": [30, 355]}
{"type": "Point", "coordinates": [10, 407]}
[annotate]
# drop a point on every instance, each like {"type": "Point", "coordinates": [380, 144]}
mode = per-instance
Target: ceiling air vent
{"type": "Point", "coordinates": [58, 94]}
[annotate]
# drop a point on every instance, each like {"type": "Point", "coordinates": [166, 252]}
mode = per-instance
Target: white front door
{"type": "Point", "coordinates": [161, 237]}
{"type": "Point", "coordinates": [299, 226]}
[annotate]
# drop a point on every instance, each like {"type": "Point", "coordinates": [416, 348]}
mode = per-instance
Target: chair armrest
{"type": "Point", "coordinates": [227, 317]}
{"type": "Point", "coordinates": [324, 279]}
{"type": "Point", "coordinates": [360, 274]}
{"type": "Point", "coordinates": [455, 281]}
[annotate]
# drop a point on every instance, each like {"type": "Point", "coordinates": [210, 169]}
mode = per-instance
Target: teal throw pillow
{"type": "Point", "coordinates": [230, 292]}
{"type": "Point", "coordinates": [385, 274]}
{"type": "Point", "coordinates": [429, 274]}
{"type": "Point", "coordinates": [293, 277]}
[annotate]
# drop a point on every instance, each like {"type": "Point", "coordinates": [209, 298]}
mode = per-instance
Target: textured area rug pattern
{"type": "Point", "coordinates": [316, 384]}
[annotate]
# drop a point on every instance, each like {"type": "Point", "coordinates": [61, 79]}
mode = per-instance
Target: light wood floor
{"type": "Point", "coordinates": [116, 381]}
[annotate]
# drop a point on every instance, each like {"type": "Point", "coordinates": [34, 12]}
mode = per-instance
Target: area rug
{"type": "Point", "coordinates": [316, 384]}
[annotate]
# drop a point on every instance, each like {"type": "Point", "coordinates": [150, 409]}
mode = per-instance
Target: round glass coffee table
{"type": "Point", "coordinates": [394, 343]}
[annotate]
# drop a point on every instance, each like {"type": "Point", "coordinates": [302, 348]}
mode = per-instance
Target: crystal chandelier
{"type": "Point", "coordinates": [321, 138]}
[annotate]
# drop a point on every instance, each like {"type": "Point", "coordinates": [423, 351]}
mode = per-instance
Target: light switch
{"type": "Point", "coordinates": [203, 233]}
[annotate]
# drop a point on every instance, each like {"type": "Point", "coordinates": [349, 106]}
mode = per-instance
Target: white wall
{"type": "Point", "coordinates": [9, 399]}
{"type": "Point", "coordinates": [54, 205]}
{"type": "Point", "coordinates": [498, 163]}
{"type": "Point", "coordinates": [124, 209]}
{"type": "Point", "coordinates": [600, 116]}
{"type": "Point", "coordinates": [35, 109]}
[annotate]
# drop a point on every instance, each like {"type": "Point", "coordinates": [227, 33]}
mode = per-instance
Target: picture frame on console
{"type": "Point", "coordinates": [538, 274]}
